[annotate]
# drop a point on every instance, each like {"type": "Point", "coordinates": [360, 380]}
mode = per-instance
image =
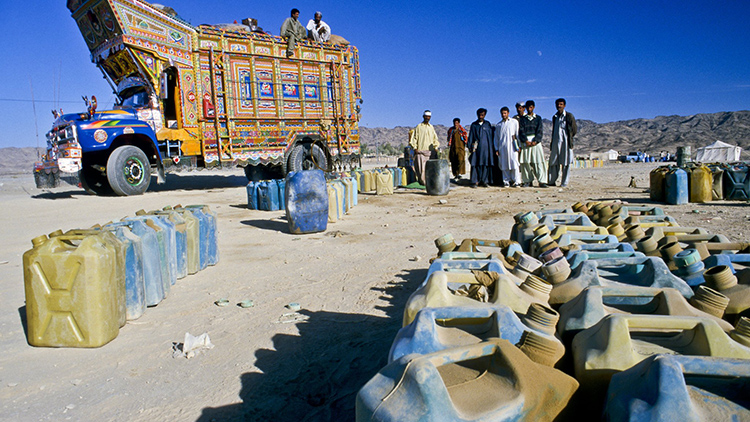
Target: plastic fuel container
{"type": "Point", "coordinates": [212, 245]}
{"type": "Point", "coordinates": [681, 388]}
{"type": "Point", "coordinates": [74, 294]}
{"type": "Point", "coordinates": [436, 329]}
{"type": "Point", "coordinates": [489, 381]}
{"type": "Point", "coordinates": [594, 303]}
{"type": "Point", "coordinates": [643, 272]}
{"type": "Point", "coordinates": [307, 202]}
{"type": "Point", "coordinates": [619, 342]}
{"type": "Point", "coordinates": [151, 260]}
{"type": "Point", "coordinates": [135, 285]}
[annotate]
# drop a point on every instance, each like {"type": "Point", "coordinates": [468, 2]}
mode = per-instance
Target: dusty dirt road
{"type": "Point", "coordinates": [268, 363]}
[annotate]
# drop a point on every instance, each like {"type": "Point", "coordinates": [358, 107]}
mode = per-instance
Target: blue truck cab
{"type": "Point", "coordinates": [108, 151]}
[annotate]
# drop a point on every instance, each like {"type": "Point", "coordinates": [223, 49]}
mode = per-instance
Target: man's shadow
{"type": "Point", "coordinates": [316, 375]}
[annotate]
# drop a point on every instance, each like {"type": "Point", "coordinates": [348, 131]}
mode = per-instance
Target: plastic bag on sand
{"type": "Point", "coordinates": [192, 346]}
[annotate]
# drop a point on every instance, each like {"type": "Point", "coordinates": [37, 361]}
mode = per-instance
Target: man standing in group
{"type": "Point", "coordinates": [317, 29]}
{"type": "Point", "coordinates": [561, 149]}
{"type": "Point", "coordinates": [520, 111]}
{"type": "Point", "coordinates": [482, 151]}
{"type": "Point", "coordinates": [293, 31]}
{"type": "Point", "coordinates": [424, 140]}
{"type": "Point", "coordinates": [531, 157]}
{"type": "Point", "coordinates": [506, 148]}
{"type": "Point", "coordinates": [457, 138]}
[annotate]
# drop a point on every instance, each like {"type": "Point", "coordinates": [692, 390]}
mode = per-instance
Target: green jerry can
{"type": "Point", "coordinates": [74, 296]}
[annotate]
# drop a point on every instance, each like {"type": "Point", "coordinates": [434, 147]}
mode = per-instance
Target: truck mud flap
{"type": "Point", "coordinates": [55, 179]}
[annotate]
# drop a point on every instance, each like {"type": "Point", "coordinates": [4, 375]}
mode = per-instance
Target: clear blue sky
{"type": "Point", "coordinates": [612, 60]}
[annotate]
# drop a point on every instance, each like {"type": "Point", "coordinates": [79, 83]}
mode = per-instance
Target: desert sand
{"type": "Point", "coordinates": [268, 362]}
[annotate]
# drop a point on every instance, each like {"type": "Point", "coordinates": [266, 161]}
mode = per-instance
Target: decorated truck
{"type": "Point", "coordinates": [206, 96]}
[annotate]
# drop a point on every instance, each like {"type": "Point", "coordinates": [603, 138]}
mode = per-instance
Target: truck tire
{"type": "Point", "coordinates": [307, 157]}
{"type": "Point", "coordinates": [128, 171]}
{"type": "Point", "coordinates": [92, 180]}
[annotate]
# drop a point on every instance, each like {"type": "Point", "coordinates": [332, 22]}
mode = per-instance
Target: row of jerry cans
{"type": "Point", "coordinates": [82, 285]}
{"type": "Point", "coordinates": [582, 164]}
{"type": "Point", "coordinates": [266, 195]}
{"type": "Point", "coordinates": [342, 197]}
{"type": "Point", "coordinates": [700, 183]}
{"type": "Point", "coordinates": [382, 181]}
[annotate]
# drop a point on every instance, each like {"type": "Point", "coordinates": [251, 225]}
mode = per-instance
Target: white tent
{"type": "Point", "coordinates": [718, 152]}
{"type": "Point", "coordinates": [612, 155]}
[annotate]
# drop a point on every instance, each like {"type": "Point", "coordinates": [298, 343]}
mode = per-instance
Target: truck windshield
{"type": "Point", "coordinates": [136, 98]}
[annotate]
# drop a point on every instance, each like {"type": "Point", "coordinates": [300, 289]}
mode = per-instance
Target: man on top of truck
{"type": "Point", "coordinates": [319, 31]}
{"type": "Point", "coordinates": [293, 31]}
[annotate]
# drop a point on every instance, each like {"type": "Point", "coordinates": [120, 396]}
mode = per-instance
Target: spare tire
{"type": "Point", "coordinates": [307, 156]}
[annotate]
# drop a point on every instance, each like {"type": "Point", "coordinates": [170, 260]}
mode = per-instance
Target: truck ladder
{"type": "Point", "coordinates": [223, 140]}
{"type": "Point", "coordinates": [337, 90]}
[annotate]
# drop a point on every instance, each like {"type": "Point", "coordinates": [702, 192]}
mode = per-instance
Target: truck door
{"type": "Point", "coordinates": [170, 95]}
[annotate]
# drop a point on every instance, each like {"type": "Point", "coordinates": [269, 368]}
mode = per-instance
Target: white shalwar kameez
{"type": "Point", "coordinates": [506, 144]}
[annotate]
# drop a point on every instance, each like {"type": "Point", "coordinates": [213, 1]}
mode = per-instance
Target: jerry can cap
{"type": "Point", "coordinates": [687, 257]}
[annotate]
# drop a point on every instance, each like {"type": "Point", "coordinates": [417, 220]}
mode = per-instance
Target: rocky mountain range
{"type": "Point", "coordinates": [648, 135]}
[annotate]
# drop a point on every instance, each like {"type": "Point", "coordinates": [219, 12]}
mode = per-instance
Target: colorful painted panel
{"type": "Point", "coordinates": [312, 92]}
{"type": "Point", "coordinates": [263, 49]}
{"type": "Point", "coordinates": [291, 91]}
{"type": "Point", "coordinates": [244, 87]}
{"type": "Point", "coordinates": [264, 76]}
{"type": "Point", "coordinates": [119, 65]}
{"type": "Point", "coordinates": [289, 76]}
{"type": "Point", "coordinates": [149, 25]}
{"type": "Point", "coordinates": [84, 25]}
{"type": "Point", "coordinates": [241, 48]}
{"type": "Point", "coordinates": [177, 55]}
{"type": "Point", "coordinates": [292, 109]}
{"type": "Point", "coordinates": [266, 109]}
{"type": "Point", "coordinates": [189, 98]}
{"type": "Point", "coordinates": [148, 62]}
{"type": "Point", "coordinates": [313, 110]}
{"type": "Point", "coordinates": [105, 19]}
{"type": "Point", "coordinates": [265, 89]}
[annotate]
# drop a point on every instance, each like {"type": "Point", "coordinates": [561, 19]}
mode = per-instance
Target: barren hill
{"type": "Point", "coordinates": [18, 160]}
{"type": "Point", "coordinates": [649, 135]}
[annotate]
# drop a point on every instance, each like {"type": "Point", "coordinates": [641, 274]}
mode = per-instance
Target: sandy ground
{"type": "Point", "coordinates": [352, 282]}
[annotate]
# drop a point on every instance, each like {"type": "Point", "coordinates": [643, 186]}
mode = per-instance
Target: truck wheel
{"type": "Point", "coordinates": [128, 171]}
{"type": "Point", "coordinates": [307, 157]}
{"type": "Point", "coordinates": [92, 180]}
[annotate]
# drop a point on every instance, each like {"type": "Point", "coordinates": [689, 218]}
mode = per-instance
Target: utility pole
{"type": "Point", "coordinates": [36, 125]}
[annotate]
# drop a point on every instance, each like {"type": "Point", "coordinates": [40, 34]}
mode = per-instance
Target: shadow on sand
{"type": "Point", "coordinates": [272, 225]}
{"type": "Point", "coordinates": [315, 376]}
{"type": "Point", "coordinates": [197, 180]}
